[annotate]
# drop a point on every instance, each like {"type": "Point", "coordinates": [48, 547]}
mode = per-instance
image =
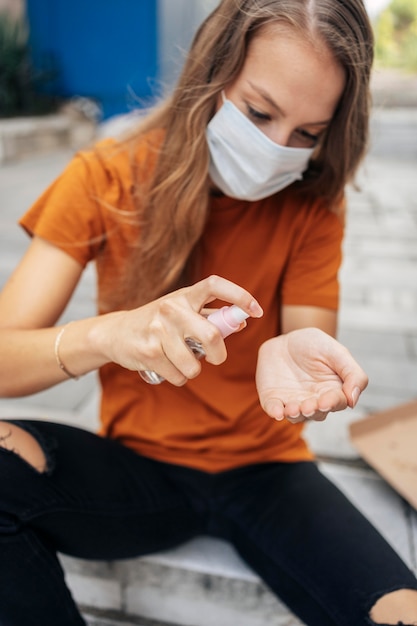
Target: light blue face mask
{"type": "Point", "coordinates": [244, 163]}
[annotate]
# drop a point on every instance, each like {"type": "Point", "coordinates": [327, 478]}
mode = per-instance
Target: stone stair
{"type": "Point", "coordinates": [205, 583]}
{"type": "Point", "coordinates": [202, 583]}
{"type": "Point", "coordinates": [26, 136]}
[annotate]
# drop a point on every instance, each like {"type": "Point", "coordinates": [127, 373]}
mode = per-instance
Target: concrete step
{"type": "Point", "coordinates": [205, 583]}
{"type": "Point", "coordinates": [201, 583]}
{"type": "Point", "coordinates": [22, 137]}
{"type": "Point", "coordinates": [100, 618]}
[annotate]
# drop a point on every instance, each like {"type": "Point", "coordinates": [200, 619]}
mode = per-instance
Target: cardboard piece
{"type": "Point", "coordinates": [387, 440]}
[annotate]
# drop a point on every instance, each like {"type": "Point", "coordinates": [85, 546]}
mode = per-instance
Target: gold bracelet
{"type": "Point", "coordinates": [58, 358]}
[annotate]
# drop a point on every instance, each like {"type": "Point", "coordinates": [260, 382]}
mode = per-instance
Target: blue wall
{"type": "Point", "coordinates": [103, 49]}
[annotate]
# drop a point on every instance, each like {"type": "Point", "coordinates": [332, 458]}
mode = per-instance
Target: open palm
{"type": "Point", "coordinates": [305, 374]}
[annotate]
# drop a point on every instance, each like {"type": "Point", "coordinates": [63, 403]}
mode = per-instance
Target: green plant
{"type": "Point", "coordinates": [396, 35]}
{"type": "Point", "coordinates": [19, 82]}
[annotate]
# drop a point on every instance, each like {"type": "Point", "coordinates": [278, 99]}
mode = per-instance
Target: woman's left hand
{"type": "Point", "coordinates": [305, 374]}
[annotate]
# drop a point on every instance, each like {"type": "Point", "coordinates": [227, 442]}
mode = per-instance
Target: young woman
{"type": "Point", "coordinates": [231, 192]}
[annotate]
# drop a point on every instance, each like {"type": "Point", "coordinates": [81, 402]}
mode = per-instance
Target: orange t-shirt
{"type": "Point", "coordinates": [285, 252]}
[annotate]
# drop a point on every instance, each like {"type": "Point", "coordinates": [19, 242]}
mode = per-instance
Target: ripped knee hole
{"type": "Point", "coordinates": [396, 607]}
{"type": "Point", "coordinates": [17, 440]}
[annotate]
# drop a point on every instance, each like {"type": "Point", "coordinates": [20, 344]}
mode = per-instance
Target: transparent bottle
{"type": "Point", "coordinates": [227, 319]}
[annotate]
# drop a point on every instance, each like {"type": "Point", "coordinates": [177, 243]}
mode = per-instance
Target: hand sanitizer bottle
{"type": "Point", "coordinates": [227, 319]}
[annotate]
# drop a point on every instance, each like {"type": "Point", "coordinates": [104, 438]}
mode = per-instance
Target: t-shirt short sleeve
{"type": "Point", "coordinates": [311, 276]}
{"type": "Point", "coordinates": [69, 214]}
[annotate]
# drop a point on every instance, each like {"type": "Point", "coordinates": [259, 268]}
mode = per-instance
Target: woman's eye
{"type": "Point", "coordinates": [307, 137]}
{"type": "Point", "coordinates": [258, 115]}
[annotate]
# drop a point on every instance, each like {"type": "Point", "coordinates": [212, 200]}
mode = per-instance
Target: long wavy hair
{"type": "Point", "coordinates": [173, 206]}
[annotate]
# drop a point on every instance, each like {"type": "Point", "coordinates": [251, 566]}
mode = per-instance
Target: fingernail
{"type": "Point", "coordinates": [355, 395]}
{"type": "Point", "coordinates": [256, 309]}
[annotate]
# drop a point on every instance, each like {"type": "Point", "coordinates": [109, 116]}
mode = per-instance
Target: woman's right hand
{"type": "Point", "coordinates": [152, 337]}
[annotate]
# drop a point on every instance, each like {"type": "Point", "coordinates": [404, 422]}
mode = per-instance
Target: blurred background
{"type": "Point", "coordinates": [119, 54]}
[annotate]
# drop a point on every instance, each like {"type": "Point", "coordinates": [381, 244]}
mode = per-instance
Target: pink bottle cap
{"type": "Point", "coordinates": [228, 319]}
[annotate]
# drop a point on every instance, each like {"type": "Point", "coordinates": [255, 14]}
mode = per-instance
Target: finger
{"type": "Point", "coordinates": [319, 416]}
{"type": "Point", "coordinates": [292, 412]}
{"type": "Point", "coordinates": [332, 400]}
{"type": "Point", "coordinates": [175, 363]}
{"type": "Point", "coordinates": [181, 362]}
{"type": "Point", "coordinates": [215, 287]}
{"type": "Point", "coordinates": [309, 407]}
{"type": "Point", "coordinates": [296, 420]}
{"type": "Point", "coordinates": [154, 377]}
{"type": "Point", "coordinates": [205, 311]}
{"type": "Point", "coordinates": [314, 408]}
{"type": "Point", "coordinates": [209, 337]}
{"type": "Point", "coordinates": [273, 406]}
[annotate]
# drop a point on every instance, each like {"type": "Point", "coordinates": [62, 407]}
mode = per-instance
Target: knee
{"type": "Point", "coordinates": [396, 608]}
{"type": "Point", "coordinates": [15, 439]}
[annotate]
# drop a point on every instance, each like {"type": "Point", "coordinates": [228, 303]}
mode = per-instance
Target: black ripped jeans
{"type": "Point", "coordinates": [100, 500]}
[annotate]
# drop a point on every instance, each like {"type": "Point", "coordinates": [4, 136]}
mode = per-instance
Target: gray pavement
{"type": "Point", "coordinates": [378, 323]}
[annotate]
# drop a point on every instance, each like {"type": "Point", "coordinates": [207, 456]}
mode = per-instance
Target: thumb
{"type": "Point", "coordinates": [355, 382]}
{"type": "Point", "coordinates": [354, 379]}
